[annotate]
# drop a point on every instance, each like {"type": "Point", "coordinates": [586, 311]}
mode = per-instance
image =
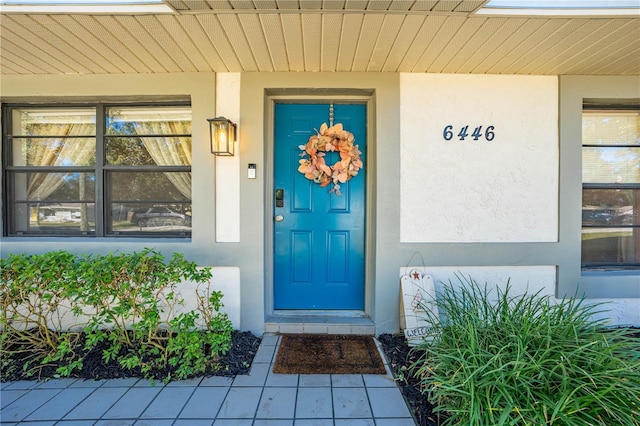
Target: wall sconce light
{"type": "Point", "coordinates": [223, 136]}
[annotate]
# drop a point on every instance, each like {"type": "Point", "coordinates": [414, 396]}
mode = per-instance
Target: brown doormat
{"type": "Point", "coordinates": [328, 354]}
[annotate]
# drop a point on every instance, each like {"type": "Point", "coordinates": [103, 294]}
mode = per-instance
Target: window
{"type": "Point", "coordinates": [98, 170]}
{"type": "Point", "coordinates": [611, 187]}
{"type": "Point", "coordinates": [560, 7]}
{"type": "Point", "coordinates": [85, 6]}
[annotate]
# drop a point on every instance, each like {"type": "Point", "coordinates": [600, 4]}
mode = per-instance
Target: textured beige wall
{"type": "Point", "coordinates": [499, 190]}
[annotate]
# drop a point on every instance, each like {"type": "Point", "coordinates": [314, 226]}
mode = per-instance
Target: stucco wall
{"type": "Point", "coordinates": [521, 279]}
{"type": "Point", "coordinates": [382, 175]}
{"type": "Point", "coordinates": [227, 180]}
{"type": "Point", "coordinates": [225, 280]}
{"type": "Point", "coordinates": [539, 280]}
{"type": "Point", "coordinates": [201, 89]}
{"type": "Point", "coordinates": [619, 289]}
{"type": "Point", "coordinates": [237, 241]}
{"type": "Point", "coordinates": [500, 185]}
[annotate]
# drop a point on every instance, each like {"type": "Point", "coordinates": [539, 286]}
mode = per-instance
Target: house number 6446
{"type": "Point", "coordinates": [477, 133]}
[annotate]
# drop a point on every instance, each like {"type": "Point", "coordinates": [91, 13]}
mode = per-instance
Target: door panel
{"type": "Point", "coordinates": [319, 246]}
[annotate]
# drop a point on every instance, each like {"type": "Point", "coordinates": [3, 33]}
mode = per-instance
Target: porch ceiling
{"type": "Point", "coordinates": [318, 35]}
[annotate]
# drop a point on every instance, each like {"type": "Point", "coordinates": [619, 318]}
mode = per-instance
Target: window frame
{"type": "Point", "coordinates": [102, 170]}
{"type": "Point", "coordinates": [595, 266]}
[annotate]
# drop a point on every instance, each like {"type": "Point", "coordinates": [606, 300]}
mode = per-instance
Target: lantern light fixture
{"type": "Point", "coordinates": [222, 133]}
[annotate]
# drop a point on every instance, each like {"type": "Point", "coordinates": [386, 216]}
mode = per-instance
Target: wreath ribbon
{"type": "Point", "coordinates": [330, 139]}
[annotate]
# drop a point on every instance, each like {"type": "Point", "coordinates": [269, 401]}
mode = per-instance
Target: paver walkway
{"type": "Point", "coordinates": [260, 398]}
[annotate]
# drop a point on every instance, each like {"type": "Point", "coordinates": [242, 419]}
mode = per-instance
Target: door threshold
{"type": "Point", "coordinates": [316, 313]}
{"type": "Point", "coordinates": [320, 322]}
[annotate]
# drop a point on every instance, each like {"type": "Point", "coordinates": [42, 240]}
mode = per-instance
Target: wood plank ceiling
{"type": "Point", "coordinates": [420, 36]}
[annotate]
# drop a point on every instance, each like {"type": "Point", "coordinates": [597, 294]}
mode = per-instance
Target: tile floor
{"type": "Point", "coordinates": [260, 398]}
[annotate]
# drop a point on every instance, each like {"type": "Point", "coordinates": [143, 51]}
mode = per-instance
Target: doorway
{"type": "Point", "coordinates": [319, 237]}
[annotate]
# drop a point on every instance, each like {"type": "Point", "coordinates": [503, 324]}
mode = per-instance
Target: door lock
{"type": "Point", "coordinates": [279, 197]}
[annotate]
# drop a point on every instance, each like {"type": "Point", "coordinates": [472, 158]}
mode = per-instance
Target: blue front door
{"type": "Point", "coordinates": [319, 237]}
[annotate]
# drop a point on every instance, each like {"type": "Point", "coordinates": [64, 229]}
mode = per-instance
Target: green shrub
{"type": "Point", "coordinates": [128, 302]}
{"type": "Point", "coordinates": [527, 360]}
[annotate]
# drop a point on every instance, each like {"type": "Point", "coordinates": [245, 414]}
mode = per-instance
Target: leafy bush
{"type": "Point", "coordinates": [56, 306]}
{"type": "Point", "coordinates": [527, 360]}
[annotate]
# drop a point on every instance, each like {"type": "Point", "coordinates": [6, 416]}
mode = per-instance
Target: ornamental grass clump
{"type": "Point", "coordinates": [502, 359]}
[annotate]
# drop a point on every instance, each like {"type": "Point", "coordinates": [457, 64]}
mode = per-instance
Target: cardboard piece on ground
{"type": "Point", "coordinates": [418, 296]}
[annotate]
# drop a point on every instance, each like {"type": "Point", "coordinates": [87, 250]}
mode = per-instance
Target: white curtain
{"type": "Point", "coordinates": [69, 152]}
{"type": "Point", "coordinates": [169, 151]}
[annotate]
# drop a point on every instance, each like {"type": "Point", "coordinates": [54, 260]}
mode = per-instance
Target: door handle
{"type": "Point", "coordinates": [279, 218]}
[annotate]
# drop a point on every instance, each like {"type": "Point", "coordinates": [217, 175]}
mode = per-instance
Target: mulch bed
{"type": "Point", "coordinates": [400, 357]}
{"type": "Point", "coordinates": [328, 354]}
{"type": "Point", "coordinates": [237, 360]}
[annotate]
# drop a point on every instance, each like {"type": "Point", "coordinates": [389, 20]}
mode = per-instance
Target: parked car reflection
{"type": "Point", "coordinates": [160, 216]}
{"type": "Point", "coordinates": [624, 215]}
{"type": "Point", "coordinates": [597, 216]}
